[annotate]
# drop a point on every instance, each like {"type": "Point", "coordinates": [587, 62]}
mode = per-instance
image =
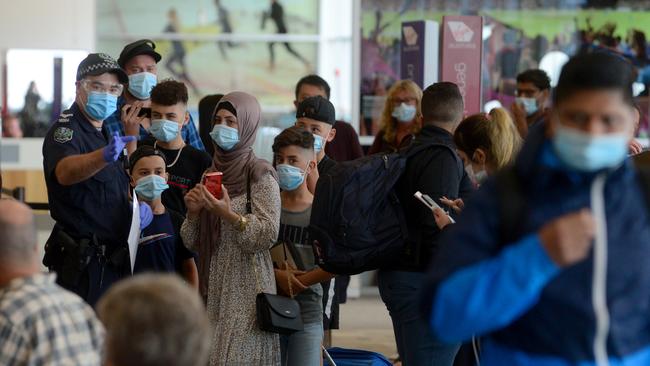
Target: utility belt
{"type": "Point", "coordinates": [69, 256]}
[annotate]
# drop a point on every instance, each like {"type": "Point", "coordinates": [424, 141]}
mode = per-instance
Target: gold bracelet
{"type": "Point", "coordinates": [243, 223]}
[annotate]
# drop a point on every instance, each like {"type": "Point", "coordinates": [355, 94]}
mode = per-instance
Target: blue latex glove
{"type": "Point", "coordinates": [115, 147]}
{"type": "Point", "coordinates": [146, 215]}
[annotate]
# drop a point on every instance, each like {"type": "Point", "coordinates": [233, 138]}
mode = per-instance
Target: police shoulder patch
{"type": "Point", "coordinates": [63, 135]}
{"type": "Point", "coordinates": [65, 117]}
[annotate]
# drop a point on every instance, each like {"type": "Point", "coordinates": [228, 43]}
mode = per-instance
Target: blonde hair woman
{"type": "Point", "coordinates": [487, 142]}
{"type": "Point", "coordinates": [401, 118]}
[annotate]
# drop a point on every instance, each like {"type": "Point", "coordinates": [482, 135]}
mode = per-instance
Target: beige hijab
{"type": "Point", "coordinates": [237, 165]}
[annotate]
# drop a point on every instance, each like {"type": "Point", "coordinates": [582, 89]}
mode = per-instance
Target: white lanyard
{"type": "Point", "coordinates": [599, 279]}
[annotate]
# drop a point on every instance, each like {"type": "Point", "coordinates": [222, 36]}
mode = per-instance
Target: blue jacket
{"type": "Point", "coordinates": [530, 311]}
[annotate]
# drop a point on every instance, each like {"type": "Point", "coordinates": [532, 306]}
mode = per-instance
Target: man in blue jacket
{"type": "Point", "coordinates": [570, 284]}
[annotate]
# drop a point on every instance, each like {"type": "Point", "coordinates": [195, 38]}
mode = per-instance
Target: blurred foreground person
{"type": "Point", "coordinates": [548, 260]}
{"type": "Point", "coordinates": [154, 320]}
{"type": "Point", "coordinates": [40, 322]}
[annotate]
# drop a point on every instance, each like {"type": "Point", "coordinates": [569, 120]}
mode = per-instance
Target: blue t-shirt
{"type": "Point", "coordinates": [161, 248]}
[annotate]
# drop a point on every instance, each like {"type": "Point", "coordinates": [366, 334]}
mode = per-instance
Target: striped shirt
{"type": "Point", "coordinates": [43, 324]}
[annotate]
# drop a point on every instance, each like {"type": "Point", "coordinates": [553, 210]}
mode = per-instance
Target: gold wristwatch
{"type": "Point", "coordinates": [242, 223]}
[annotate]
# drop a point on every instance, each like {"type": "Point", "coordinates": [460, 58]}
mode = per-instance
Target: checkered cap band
{"type": "Point", "coordinates": [96, 62]}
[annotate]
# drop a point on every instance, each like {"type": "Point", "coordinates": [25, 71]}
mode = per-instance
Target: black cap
{"type": "Point", "coordinates": [143, 152]}
{"type": "Point", "coordinates": [141, 47]}
{"type": "Point", "coordinates": [317, 108]}
{"type": "Point", "coordinates": [99, 63]}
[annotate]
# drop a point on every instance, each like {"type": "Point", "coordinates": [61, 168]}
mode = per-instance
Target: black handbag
{"type": "Point", "coordinates": [275, 313]}
{"type": "Point", "coordinates": [278, 314]}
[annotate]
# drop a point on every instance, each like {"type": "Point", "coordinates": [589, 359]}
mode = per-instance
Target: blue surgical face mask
{"type": "Point", "coordinates": [529, 104]}
{"type": "Point", "coordinates": [100, 106]}
{"type": "Point", "coordinates": [150, 187]}
{"type": "Point", "coordinates": [318, 143]}
{"type": "Point", "coordinates": [290, 177]}
{"type": "Point", "coordinates": [225, 137]}
{"type": "Point", "coordinates": [404, 113]}
{"type": "Point", "coordinates": [164, 130]}
{"type": "Point", "coordinates": [140, 84]}
{"type": "Point", "coordinates": [589, 153]}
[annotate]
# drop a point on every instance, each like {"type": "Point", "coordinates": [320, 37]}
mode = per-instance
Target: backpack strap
{"type": "Point", "coordinates": [417, 147]}
{"type": "Point", "coordinates": [511, 203]}
{"type": "Point", "coordinates": [644, 180]}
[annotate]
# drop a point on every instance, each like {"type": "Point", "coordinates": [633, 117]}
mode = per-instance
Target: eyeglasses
{"type": "Point", "coordinates": [99, 87]}
{"type": "Point", "coordinates": [408, 100]}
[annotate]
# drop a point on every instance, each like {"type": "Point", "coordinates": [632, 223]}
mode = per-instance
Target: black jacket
{"type": "Point", "coordinates": [438, 171]}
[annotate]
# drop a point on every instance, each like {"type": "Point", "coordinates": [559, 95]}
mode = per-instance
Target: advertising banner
{"type": "Point", "coordinates": [419, 52]}
{"type": "Point", "coordinates": [462, 50]}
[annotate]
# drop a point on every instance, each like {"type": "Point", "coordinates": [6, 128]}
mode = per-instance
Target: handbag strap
{"type": "Point", "coordinates": [286, 266]}
{"type": "Point", "coordinates": [257, 275]}
{"type": "Point", "coordinates": [249, 201]}
{"type": "Point", "coordinates": [249, 210]}
{"type": "Point", "coordinates": [258, 279]}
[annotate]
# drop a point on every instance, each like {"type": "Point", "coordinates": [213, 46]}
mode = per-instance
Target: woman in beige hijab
{"type": "Point", "coordinates": [233, 240]}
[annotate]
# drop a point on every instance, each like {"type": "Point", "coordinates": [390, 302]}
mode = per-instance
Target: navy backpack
{"type": "Point", "coordinates": [357, 222]}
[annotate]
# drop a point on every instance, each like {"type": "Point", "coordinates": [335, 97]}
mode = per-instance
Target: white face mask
{"type": "Point", "coordinates": [404, 113]}
{"type": "Point", "coordinates": [529, 104]}
{"type": "Point", "coordinates": [477, 177]}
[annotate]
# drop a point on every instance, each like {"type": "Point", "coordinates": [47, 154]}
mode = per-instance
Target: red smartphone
{"type": "Point", "coordinates": [212, 181]}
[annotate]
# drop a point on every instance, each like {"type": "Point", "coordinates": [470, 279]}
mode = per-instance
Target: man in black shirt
{"type": "Point", "coordinates": [437, 171]}
{"type": "Point", "coordinates": [344, 147]}
{"type": "Point", "coordinates": [185, 164]}
{"type": "Point", "coordinates": [317, 115]}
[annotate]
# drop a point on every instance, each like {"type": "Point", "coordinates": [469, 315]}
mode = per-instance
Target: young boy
{"type": "Point", "coordinates": [185, 164]}
{"type": "Point", "coordinates": [294, 159]}
{"type": "Point", "coordinates": [161, 248]}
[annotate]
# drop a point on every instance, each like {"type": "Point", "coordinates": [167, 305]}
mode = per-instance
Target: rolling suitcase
{"type": "Point", "coordinates": [353, 357]}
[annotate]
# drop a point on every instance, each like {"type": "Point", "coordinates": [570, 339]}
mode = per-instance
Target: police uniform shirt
{"type": "Point", "coordinates": [99, 205]}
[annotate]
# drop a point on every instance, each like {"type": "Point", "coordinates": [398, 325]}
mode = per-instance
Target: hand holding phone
{"type": "Point", "coordinates": [143, 112]}
{"type": "Point", "coordinates": [212, 182]}
{"type": "Point", "coordinates": [430, 203]}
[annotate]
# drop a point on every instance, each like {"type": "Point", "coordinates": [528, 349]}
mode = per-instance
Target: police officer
{"type": "Point", "coordinates": [87, 185]}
